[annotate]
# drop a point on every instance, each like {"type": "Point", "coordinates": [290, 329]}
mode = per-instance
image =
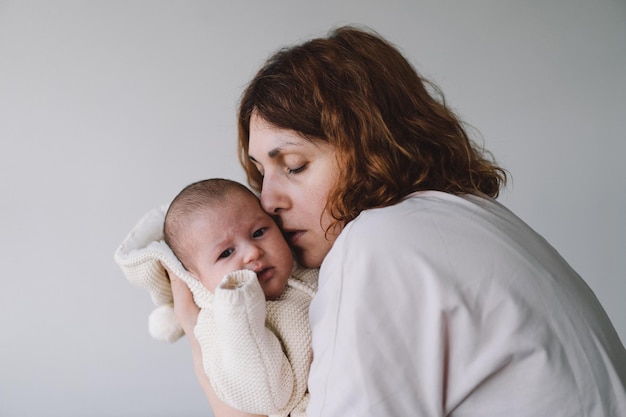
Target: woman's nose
{"type": "Point", "coordinates": [272, 198]}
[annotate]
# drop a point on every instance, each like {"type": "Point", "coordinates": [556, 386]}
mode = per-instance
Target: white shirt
{"type": "Point", "coordinates": [452, 306]}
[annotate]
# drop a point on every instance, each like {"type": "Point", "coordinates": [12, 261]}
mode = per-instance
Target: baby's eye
{"type": "Point", "coordinates": [226, 253]}
{"type": "Point", "coordinates": [259, 233]}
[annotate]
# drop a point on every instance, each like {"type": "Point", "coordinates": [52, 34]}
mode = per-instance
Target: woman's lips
{"type": "Point", "coordinates": [293, 236]}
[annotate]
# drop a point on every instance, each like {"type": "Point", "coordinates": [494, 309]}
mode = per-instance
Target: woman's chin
{"type": "Point", "coordinates": [309, 259]}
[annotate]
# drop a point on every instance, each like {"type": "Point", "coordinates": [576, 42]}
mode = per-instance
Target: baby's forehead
{"type": "Point", "coordinates": [239, 203]}
{"type": "Point", "coordinates": [237, 195]}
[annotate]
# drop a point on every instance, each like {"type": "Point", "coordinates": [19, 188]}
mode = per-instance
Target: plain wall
{"type": "Point", "coordinates": [108, 108]}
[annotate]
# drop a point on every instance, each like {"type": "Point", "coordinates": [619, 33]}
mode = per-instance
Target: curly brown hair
{"type": "Point", "coordinates": [391, 129]}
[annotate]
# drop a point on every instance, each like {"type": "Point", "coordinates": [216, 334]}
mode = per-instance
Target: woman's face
{"type": "Point", "coordinates": [297, 177]}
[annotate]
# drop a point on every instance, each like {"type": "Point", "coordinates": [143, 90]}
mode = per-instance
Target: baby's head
{"type": "Point", "coordinates": [217, 226]}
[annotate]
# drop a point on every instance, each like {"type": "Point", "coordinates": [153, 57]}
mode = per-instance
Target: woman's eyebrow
{"type": "Point", "coordinates": [272, 153]}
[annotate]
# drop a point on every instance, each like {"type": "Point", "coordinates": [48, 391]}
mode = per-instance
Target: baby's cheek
{"type": "Point", "coordinates": [210, 282]}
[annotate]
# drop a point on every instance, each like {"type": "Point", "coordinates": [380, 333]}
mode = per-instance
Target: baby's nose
{"type": "Point", "coordinates": [253, 253]}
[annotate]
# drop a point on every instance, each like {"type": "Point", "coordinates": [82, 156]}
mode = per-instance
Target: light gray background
{"type": "Point", "coordinates": [108, 108]}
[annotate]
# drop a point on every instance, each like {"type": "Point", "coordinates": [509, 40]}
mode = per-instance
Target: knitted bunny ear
{"type": "Point", "coordinates": [141, 256]}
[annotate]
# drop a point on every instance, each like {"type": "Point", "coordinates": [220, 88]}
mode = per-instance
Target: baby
{"type": "Point", "coordinates": [253, 324]}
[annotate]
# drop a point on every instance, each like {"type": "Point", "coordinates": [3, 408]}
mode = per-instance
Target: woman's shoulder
{"type": "Point", "coordinates": [424, 209]}
{"type": "Point", "coordinates": [430, 223]}
{"type": "Point", "coordinates": [424, 202]}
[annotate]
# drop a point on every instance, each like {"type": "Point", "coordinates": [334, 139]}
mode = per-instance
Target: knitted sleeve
{"type": "Point", "coordinates": [244, 360]}
{"type": "Point", "coordinates": [288, 318]}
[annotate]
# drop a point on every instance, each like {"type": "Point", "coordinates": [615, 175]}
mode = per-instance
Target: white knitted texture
{"type": "Point", "coordinates": [163, 325]}
{"type": "Point", "coordinates": [257, 354]}
{"type": "Point", "coordinates": [141, 256]}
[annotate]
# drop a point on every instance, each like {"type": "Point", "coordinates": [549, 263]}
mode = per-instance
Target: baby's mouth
{"type": "Point", "coordinates": [264, 274]}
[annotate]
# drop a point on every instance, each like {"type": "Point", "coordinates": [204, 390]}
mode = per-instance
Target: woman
{"type": "Point", "coordinates": [434, 300]}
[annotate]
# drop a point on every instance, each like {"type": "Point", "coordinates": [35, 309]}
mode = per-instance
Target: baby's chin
{"type": "Point", "coordinates": [273, 290]}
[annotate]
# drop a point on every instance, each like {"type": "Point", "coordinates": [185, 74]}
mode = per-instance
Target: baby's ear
{"type": "Point", "coordinates": [163, 325]}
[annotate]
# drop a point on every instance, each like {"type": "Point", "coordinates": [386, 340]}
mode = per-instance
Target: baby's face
{"type": "Point", "coordinates": [239, 235]}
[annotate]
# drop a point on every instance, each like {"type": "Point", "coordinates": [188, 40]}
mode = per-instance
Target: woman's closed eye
{"type": "Point", "coordinates": [296, 170]}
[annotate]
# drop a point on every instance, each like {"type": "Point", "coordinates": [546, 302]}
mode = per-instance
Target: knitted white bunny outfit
{"type": "Point", "coordinates": [256, 353]}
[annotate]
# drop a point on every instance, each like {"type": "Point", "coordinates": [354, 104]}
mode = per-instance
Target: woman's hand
{"type": "Point", "coordinates": [187, 312]}
{"type": "Point", "coordinates": [185, 308]}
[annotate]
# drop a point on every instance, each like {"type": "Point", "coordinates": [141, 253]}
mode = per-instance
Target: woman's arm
{"type": "Point", "coordinates": [187, 314]}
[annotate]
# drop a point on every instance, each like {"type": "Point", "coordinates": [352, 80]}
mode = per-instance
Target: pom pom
{"type": "Point", "coordinates": [163, 324]}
